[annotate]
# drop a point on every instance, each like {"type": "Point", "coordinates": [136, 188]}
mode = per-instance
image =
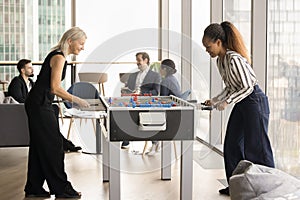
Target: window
{"type": "Point", "coordinates": [117, 37]}
{"type": "Point", "coordinates": [6, 39]}
{"type": "Point", "coordinates": [238, 12]}
{"type": "Point", "coordinates": [12, 20]}
{"type": "Point", "coordinates": [6, 19]}
{"type": "Point", "coordinates": [283, 82]}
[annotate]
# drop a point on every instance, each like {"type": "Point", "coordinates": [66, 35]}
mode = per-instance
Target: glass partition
{"type": "Point", "coordinates": [200, 65]}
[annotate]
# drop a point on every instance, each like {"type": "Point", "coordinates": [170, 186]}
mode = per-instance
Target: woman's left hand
{"type": "Point", "coordinates": [221, 106]}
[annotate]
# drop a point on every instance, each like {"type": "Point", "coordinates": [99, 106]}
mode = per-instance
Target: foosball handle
{"type": "Point", "coordinates": [204, 107]}
{"type": "Point", "coordinates": [207, 108]}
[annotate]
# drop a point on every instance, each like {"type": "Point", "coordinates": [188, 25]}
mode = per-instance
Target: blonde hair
{"type": "Point", "coordinates": [74, 33]}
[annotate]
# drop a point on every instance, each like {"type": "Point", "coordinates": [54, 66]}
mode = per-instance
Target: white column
{"type": "Point", "coordinates": [259, 40]}
{"type": "Point", "coordinates": [73, 13]}
{"type": "Point", "coordinates": [163, 51]}
{"type": "Point", "coordinates": [186, 44]}
{"type": "Point", "coordinates": [186, 175]}
{"type": "Point", "coordinates": [216, 84]}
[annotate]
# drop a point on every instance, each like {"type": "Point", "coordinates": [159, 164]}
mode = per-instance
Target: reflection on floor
{"type": "Point", "coordinates": [140, 177]}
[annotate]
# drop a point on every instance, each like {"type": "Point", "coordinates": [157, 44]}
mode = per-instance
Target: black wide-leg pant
{"type": "Point", "coordinates": [67, 144]}
{"type": "Point", "coordinates": [46, 155]}
{"type": "Point", "coordinates": [247, 133]}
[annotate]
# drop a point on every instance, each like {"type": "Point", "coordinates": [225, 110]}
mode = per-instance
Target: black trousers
{"type": "Point", "coordinates": [67, 144]}
{"type": "Point", "coordinates": [46, 154]}
{"type": "Point", "coordinates": [247, 133]}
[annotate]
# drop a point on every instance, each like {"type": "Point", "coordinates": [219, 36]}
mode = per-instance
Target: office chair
{"type": "Point", "coordinates": [94, 77]}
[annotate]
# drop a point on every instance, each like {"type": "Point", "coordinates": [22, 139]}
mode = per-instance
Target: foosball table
{"type": "Point", "coordinates": [142, 118]}
{"type": "Point", "coordinates": [146, 118]}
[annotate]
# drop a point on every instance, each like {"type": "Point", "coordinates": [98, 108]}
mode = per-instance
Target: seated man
{"type": "Point", "coordinates": [21, 85]}
{"type": "Point", "coordinates": [144, 81]}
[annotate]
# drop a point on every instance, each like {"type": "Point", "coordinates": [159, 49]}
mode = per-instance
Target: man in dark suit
{"type": "Point", "coordinates": [144, 81]}
{"type": "Point", "coordinates": [21, 85]}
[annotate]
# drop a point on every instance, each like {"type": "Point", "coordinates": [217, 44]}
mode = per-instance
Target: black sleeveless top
{"type": "Point", "coordinates": [41, 94]}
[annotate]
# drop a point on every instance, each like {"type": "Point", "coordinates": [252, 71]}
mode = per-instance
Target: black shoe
{"type": "Point", "coordinates": [69, 193]}
{"type": "Point", "coordinates": [125, 145]}
{"type": "Point", "coordinates": [70, 147]}
{"type": "Point", "coordinates": [74, 149]}
{"type": "Point", "coordinates": [37, 194]}
{"type": "Point", "coordinates": [224, 191]}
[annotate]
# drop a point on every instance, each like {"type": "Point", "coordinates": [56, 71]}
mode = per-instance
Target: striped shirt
{"type": "Point", "coordinates": [238, 76]}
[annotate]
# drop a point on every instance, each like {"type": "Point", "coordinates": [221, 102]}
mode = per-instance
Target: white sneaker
{"type": "Point", "coordinates": [155, 148]}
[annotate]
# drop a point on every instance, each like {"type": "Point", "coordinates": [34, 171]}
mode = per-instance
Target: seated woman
{"type": "Point", "coordinates": [169, 83]}
{"type": "Point", "coordinates": [168, 86]}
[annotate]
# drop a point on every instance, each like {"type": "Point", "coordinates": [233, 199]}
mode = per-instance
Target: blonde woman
{"type": "Point", "coordinates": [46, 154]}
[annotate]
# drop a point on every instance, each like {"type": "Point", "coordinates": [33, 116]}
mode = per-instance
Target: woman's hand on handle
{"type": "Point", "coordinates": [81, 102]}
{"type": "Point", "coordinates": [214, 103]}
{"type": "Point", "coordinates": [211, 102]}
